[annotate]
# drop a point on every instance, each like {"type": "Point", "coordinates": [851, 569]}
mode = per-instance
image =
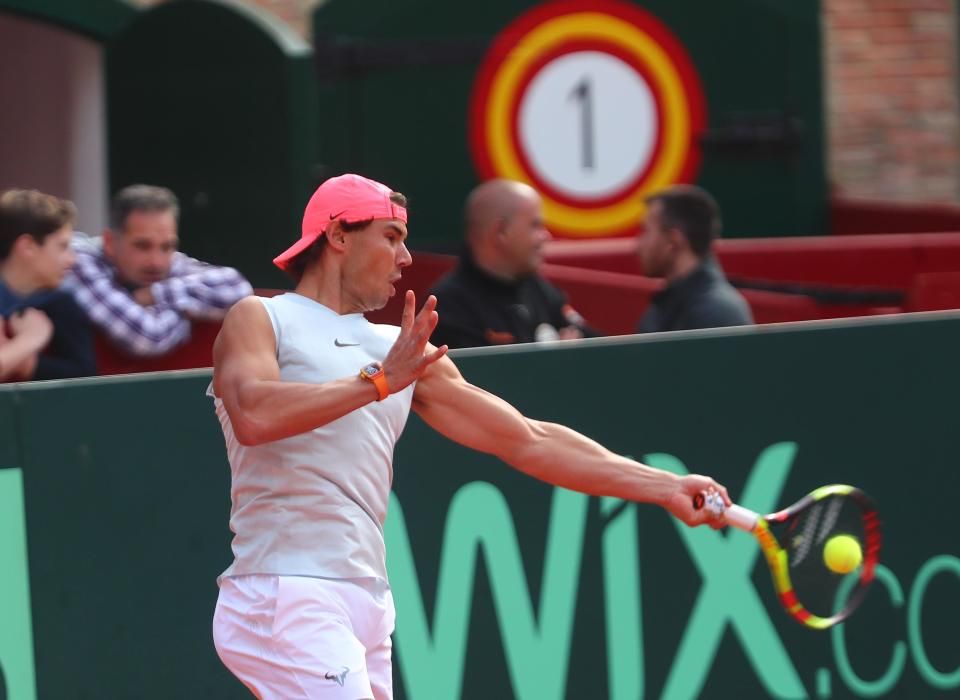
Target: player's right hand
{"type": "Point", "coordinates": [681, 505]}
{"type": "Point", "coordinates": [412, 353]}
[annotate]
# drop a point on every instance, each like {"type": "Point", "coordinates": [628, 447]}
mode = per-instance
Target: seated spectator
{"type": "Point", "coordinates": [136, 288]}
{"type": "Point", "coordinates": [495, 296]}
{"type": "Point", "coordinates": [43, 333]}
{"type": "Point", "coordinates": [681, 224]}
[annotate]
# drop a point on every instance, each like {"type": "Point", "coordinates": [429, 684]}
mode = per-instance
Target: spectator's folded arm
{"type": "Point", "coordinates": [199, 290]}
{"type": "Point", "coordinates": [143, 331]}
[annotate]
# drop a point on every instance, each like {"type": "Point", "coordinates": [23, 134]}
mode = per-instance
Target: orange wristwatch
{"type": "Point", "coordinates": [374, 373]}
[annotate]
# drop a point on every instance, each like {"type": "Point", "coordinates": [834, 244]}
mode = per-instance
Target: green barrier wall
{"type": "Point", "coordinates": [507, 588]}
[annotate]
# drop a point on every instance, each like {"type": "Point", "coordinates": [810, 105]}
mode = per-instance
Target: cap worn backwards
{"type": "Point", "coordinates": [348, 198]}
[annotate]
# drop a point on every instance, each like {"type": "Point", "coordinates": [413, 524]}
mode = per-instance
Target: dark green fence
{"type": "Point", "coordinates": [506, 587]}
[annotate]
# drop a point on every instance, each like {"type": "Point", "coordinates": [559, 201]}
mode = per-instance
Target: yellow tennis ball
{"type": "Point", "coordinates": [842, 554]}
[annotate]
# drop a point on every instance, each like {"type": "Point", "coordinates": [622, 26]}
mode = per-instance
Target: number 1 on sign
{"type": "Point", "coordinates": [582, 91]}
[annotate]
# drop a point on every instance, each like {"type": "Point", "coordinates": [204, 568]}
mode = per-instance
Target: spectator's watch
{"type": "Point", "coordinates": [374, 373]}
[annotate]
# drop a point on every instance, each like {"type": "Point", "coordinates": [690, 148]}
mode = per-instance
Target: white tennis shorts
{"type": "Point", "coordinates": [293, 637]}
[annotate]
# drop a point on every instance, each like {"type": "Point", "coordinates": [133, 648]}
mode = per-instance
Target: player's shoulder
{"type": "Point", "coordinates": [251, 301]}
{"type": "Point", "coordinates": [246, 310]}
{"type": "Point", "coordinates": [246, 324]}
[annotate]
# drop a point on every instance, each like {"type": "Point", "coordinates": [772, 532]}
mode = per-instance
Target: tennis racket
{"type": "Point", "coordinates": [794, 540]}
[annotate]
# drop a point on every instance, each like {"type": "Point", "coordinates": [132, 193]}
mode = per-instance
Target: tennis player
{"type": "Point", "coordinates": [312, 399]}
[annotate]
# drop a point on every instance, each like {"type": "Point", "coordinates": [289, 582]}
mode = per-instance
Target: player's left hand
{"type": "Point", "coordinates": [412, 353]}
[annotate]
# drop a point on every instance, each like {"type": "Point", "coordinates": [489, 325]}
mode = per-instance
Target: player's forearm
{"type": "Point", "coordinates": [565, 458]}
{"type": "Point", "coordinates": [264, 411]}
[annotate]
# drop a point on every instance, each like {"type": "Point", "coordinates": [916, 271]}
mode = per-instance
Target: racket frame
{"type": "Point", "coordinates": [760, 527]}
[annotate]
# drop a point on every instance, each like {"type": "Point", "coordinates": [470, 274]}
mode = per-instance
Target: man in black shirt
{"type": "Point", "coordinates": [495, 296]}
{"type": "Point", "coordinates": [681, 224]}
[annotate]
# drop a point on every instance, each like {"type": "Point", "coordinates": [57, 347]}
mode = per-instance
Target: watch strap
{"type": "Point", "coordinates": [379, 380]}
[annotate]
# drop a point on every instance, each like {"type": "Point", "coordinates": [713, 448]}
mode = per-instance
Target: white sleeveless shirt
{"type": "Point", "coordinates": [314, 504]}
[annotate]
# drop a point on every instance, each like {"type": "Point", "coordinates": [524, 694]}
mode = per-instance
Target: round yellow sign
{"type": "Point", "coordinates": [596, 104]}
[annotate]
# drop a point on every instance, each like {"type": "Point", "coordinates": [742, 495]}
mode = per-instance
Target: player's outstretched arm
{"type": "Point", "coordinates": [548, 451]}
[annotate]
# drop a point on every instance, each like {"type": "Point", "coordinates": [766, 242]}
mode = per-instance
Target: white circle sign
{"type": "Point", "coordinates": [588, 124]}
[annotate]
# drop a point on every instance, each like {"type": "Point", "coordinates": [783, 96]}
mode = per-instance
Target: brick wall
{"type": "Point", "coordinates": [892, 106]}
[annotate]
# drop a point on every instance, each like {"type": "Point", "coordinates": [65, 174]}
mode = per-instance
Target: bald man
{"type": "Point", "coordinates": [495, 296]}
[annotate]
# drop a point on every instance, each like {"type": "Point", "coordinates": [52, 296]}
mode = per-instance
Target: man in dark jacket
{"type": "Point", "coordinates": [676, 244]}
{"type": "Point", "coordinates": [496, 296]}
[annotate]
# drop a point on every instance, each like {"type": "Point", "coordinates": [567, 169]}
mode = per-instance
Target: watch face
{"type": "Point", "coordinates": [371, 369]}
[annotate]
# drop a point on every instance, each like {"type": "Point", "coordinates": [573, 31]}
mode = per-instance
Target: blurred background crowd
{"type": "Point", "coordinates": [573, 168]}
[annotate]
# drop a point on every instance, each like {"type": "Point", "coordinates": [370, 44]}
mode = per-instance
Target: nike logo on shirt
{"type": "Point", "coordinates": [336, 341]}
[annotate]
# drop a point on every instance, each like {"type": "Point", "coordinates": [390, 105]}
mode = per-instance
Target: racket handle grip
{"type": "Point", "coordinates": [741, 518]}
{"type": "Point", "coordinates": [736, 516]}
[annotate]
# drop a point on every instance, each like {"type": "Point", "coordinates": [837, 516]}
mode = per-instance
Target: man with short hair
{"type": "Point", "coordinates": [676, 244]}
{"type": "Point", "coordinates": [43, 334]}
{"type": "Point", "coordinates": [496, 296]}
{"type": "Point", "coordinates": [312, 399]}
{"type": "Point", "coordinates": [134, 285]}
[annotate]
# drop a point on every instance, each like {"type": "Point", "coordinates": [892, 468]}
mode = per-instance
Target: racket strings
{"type": "Point", "coordinates": [822, 591]}
{"type": "Point", "coordinates": [834, 505]}
{"type": "Point", "coordinates": [827, 524]}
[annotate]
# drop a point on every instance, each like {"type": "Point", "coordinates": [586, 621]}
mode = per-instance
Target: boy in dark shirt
{"type": "Point", "coordinates": [44, 335]}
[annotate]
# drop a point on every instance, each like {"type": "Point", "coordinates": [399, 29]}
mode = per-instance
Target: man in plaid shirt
{"type": "Point", "coordinates": [136, 288]}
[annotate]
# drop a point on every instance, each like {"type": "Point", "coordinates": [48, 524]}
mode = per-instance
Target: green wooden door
{"type": "Point", "coordinates": [217, 103]}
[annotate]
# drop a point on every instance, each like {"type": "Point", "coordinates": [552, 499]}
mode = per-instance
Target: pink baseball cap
{"type": "Point", "coordinates": [347, 197]}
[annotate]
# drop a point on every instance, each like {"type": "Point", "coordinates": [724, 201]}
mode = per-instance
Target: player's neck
{"type": "Point", "coordinates": [326, 287]}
